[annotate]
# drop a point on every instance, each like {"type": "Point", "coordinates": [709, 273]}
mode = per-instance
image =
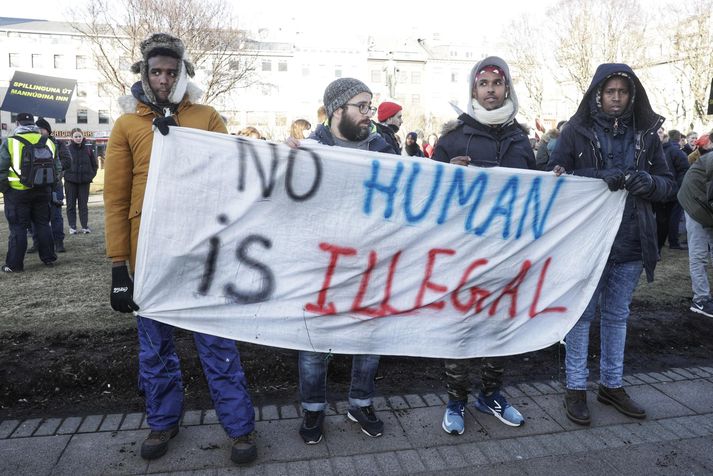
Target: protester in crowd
{"type": "Point", "coordinates": [390, 119]}
{"type": "Point", "coordinates": [699, 147]}
{"type": "Point", "coordinates": [80, 167]}
{"type": "Point", "coordinates": [250, 131]}
{"type": "Point", "coordinates": [411, 148]}
{"type": "Point", "coordinates": [25, 205]}
{"type": "Point", "coordinates": [321, 114]}
{"type": "Point", "coordinates": [487, 135]}
{"type": "Point", "coordinates": [544, 149]}
{"type": "Point", "coordinates": [691, 139]}
{"type": "Point", "coordinates": [696, 197]}
{"type": "Point", "coordinates": [347, 103]}
{"type": "Point", "coordinates": [165, 96]}
{"type": "Point", "coordinates": [300, 129]}
{"type": "Point", "coordinates": [429, 145]}
{"type": "Point", "coordinates": [57, 197]}
{"type": "Point", "coordinates": [669, 213]}
{"type": "Point", "coordinates": [612, 136]}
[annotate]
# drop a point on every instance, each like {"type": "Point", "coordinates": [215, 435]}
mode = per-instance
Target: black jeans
{"type": "Point", "coordinates": [77, 194]}
{"type": "Point", "coordinates": [458, 379]}
{"type": "Point", "coordinates": [23, 208]}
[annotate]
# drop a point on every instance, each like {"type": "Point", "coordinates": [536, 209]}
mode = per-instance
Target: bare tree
{"type": "Point", "coordinates": [217, 48]}
{"type": "Point", "coordinates": [525, 51]}
{"type": "Point", "coordinates": [591, 32]}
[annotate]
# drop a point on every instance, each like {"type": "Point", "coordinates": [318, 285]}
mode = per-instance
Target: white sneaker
{"type": "Point", "coordinates": [72, 231]}
{"type": "Point", "coordinates": [86, 230]}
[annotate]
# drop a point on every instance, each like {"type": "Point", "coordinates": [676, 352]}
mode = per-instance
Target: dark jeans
{"type": "Point", "coordinates": [458, 379]}
{"type": "Point", "coordinates": [22, 208]}
{"type": "Point", "coordinates": [56, 220]}
{"type": "Point", "coordinates": [77, 195]}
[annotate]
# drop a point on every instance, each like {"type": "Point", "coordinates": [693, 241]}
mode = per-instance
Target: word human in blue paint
{"type": "Point", "coordinates": [451, 189]}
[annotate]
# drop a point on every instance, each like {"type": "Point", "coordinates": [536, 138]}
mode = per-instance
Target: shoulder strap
{"type": "Point", "coordinates": [21, 139]}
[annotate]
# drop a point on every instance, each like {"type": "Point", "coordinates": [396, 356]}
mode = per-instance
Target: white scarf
{"type": "Point", "coordinates": [496, 116]}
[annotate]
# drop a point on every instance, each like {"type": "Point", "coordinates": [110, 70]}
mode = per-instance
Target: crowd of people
{"type": "Point", "coordinates": [614, 135]}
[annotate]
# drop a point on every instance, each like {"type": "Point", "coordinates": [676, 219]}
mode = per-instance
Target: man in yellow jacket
{"type": "Point", "coordinates": [165, 96]}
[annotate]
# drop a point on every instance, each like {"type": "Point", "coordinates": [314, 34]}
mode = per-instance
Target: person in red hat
{"type": "Point", "coordinates": [390, 119]}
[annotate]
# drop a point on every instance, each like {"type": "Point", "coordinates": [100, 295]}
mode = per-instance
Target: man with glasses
{"type": "Point", "coordinates": [487, 135]}
{"type": "Point", "coordinates": [347, 102]}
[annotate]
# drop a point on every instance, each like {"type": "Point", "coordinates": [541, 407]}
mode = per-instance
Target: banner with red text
{"type": "Point", "coordinates": [346, 251]}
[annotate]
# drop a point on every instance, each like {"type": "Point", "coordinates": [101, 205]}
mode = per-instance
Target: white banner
{"type": "Point", "coordinates": [345, 251]}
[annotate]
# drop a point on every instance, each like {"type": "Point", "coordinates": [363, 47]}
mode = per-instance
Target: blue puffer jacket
{"type": "Point", "coordinates": [375, 142]}
{"type": "Point", "coordinates": [578, 151]}
{"type": "Point", "coordinates": [504, 146]}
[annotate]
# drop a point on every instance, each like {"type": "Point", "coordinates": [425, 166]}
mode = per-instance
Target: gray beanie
{"type": "Point", "coordinates": [340, 91]}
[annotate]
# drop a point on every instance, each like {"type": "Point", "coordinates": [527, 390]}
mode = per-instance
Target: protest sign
{"type": "Point", "coordinates": [39, 95]}
{"type": "Point", "coordinates": [345, 251]}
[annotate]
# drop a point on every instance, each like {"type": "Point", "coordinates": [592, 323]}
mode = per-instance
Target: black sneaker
{"type": "Point", "coordinates": [7, 269]}
{"type": "Point", "coordinates": [156, 444]}
{"type": "Point", "coordinates": [367, 419]}
{"type": "Point", "coordinates": [702, 306]}
{"type": "Point", "coordinates": [311, 429]}
{"type": "Point", "coordinates": [575, 405]}
{"type": "Point", "coordinates": [59, 247]}
{"type": "Point", "coordinates": [244, 450]}
{"type": "Point", "coordinates": [619, 399]}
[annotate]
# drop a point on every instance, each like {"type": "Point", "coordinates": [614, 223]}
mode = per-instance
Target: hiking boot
{"type": "Point", "coordinates": [619, 399]}
{"type": "Point", "coordinates": [32, 249]}
{"type": "Point", "coordinates": [156, 444]}
{"type": "Point", "coordinates": [575, 405]}
{"type": "Point", "coordinates": [244, 450]}
{"type": "Point", "coordinates": [72, 231]}
{"type": "Point", "coordinates": [59, 246]}
{"type": "Point", "coordinates": [453, 419]}
{"type": "Point", "coordinates": [495, 404]}
{"type": "Point", "coordinates": [702, 306]}
{"type": "Point", "coordinates": [367, 419]}
{"type": "Point", "coordinates": [311, 429]}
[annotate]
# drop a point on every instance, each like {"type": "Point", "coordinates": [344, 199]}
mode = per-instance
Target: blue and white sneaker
{"type": "Point", "coordinates": [497, 406]}
{"type": "Point", "coordinates": [453, 421]}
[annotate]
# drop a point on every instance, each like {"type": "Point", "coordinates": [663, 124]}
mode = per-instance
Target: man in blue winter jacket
{"type": "Point", "coordinates": [486, 136]}
{"type": "Point", "coordinates": [613, 136]}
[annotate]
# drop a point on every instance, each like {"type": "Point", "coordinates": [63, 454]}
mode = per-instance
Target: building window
{"type": "Point", "coordinates": [81, 91]}
{"type": "Point", "coordinates": [375, 76]}
{"type": "Point", "coordinates": [81, 62]}
{"type": "Point", "coordinates": [62, 120]}
{"type": "Point", "coordinates": [37, 60]}
{"type": "Point", "coordinates": [58, 61]}
{"type": "Point", "coordinates": [338, 73]}
{"type": "Point", "coordinates": [280, 120]}
{"type": "Point", "coordinates": [103, 116]}
{"type": "Point", "coordinates": [305, 71]}
{"type": "Point", "coordinates": [415, 77]}
{"type": "Point", "coordinates": [267, 65]}
{"type": "Point", "coordinates": [13, 117]}
{"type": "Point", "coordinates": [81, 116]}
{"type": "Point", "coordinates": [454, 77]}
{"type": "Point", "coordinates": [14, 60]}
{"type": "Point", "coordinates": [282, 66]}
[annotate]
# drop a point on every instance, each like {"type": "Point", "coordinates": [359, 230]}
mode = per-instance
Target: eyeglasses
{"type": "Point", "coordinates": [364, 108]}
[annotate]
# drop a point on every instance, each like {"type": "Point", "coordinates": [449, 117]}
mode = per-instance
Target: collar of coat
{"type": "Point", "coordinates": [129, 104]}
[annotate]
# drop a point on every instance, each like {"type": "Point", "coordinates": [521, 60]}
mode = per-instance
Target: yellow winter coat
{"type": "Point", "coordinates": [127, 166]}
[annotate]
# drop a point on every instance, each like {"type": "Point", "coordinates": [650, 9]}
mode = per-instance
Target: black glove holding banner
{"type": "Point", "coordinates": [640, 183]}
{"type": "Point", "coordinates": [162, 124]}
{"type": "Point", "coordinates": [614, 178]}
{"type": "Point", "coordinates": [122, 290]}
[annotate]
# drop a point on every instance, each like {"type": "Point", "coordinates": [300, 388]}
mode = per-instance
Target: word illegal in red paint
{"type": "Point", "coordinates": [463, 298]}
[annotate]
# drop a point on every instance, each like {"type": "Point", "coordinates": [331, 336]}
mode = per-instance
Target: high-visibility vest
{"type": "Point", "coordinates": [15, 148]}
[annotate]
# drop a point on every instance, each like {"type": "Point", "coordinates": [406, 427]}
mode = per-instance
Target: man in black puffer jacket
{"type": "Point", "coordinates": [486, 136]}
{"type": "Point", "coordinates": [613, 136]}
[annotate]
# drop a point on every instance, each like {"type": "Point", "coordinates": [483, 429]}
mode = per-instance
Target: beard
{"type": "Point", "coordinates": [352, 131]}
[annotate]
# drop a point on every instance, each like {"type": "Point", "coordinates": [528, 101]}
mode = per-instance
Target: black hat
{"type": "Point", "coordinates": [25, 118]}
{"type": "Point", "coordinates": [43, 124]}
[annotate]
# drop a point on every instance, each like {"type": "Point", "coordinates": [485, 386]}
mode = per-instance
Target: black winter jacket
{"type": "Point", "coordinates": [504, 146]}
{"type": "Point", "coordinates": [80, 166]}
{"type": "Point", "coordinates": [677, 161]}
{"type": "Point", "coordinates": [376, 143]}
{"type": "Point", "coordinates": [578, 152]}
{"type": "Point", "coordinates": [389, 136]}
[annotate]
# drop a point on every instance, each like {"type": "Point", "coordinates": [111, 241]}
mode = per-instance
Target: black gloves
{"type": "Point", "coordinates": [162, 123]}
{"type": "Point", "coordinates": [640, 183]}
{"type": "Point", "coordinates": [122, 290]}
{"type": "Point", "coordinates": [613, 177]}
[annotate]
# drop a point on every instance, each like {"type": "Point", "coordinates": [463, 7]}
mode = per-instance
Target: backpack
{"type": "Point", "coordinates": [36, 164]}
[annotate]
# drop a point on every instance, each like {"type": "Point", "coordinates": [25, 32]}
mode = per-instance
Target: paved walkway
{"type": "Point", "coordinates": [675, 439]}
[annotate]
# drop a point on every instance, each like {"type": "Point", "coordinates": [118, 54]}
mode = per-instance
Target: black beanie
{"type": "Point", "coordinates": [43, 124]}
